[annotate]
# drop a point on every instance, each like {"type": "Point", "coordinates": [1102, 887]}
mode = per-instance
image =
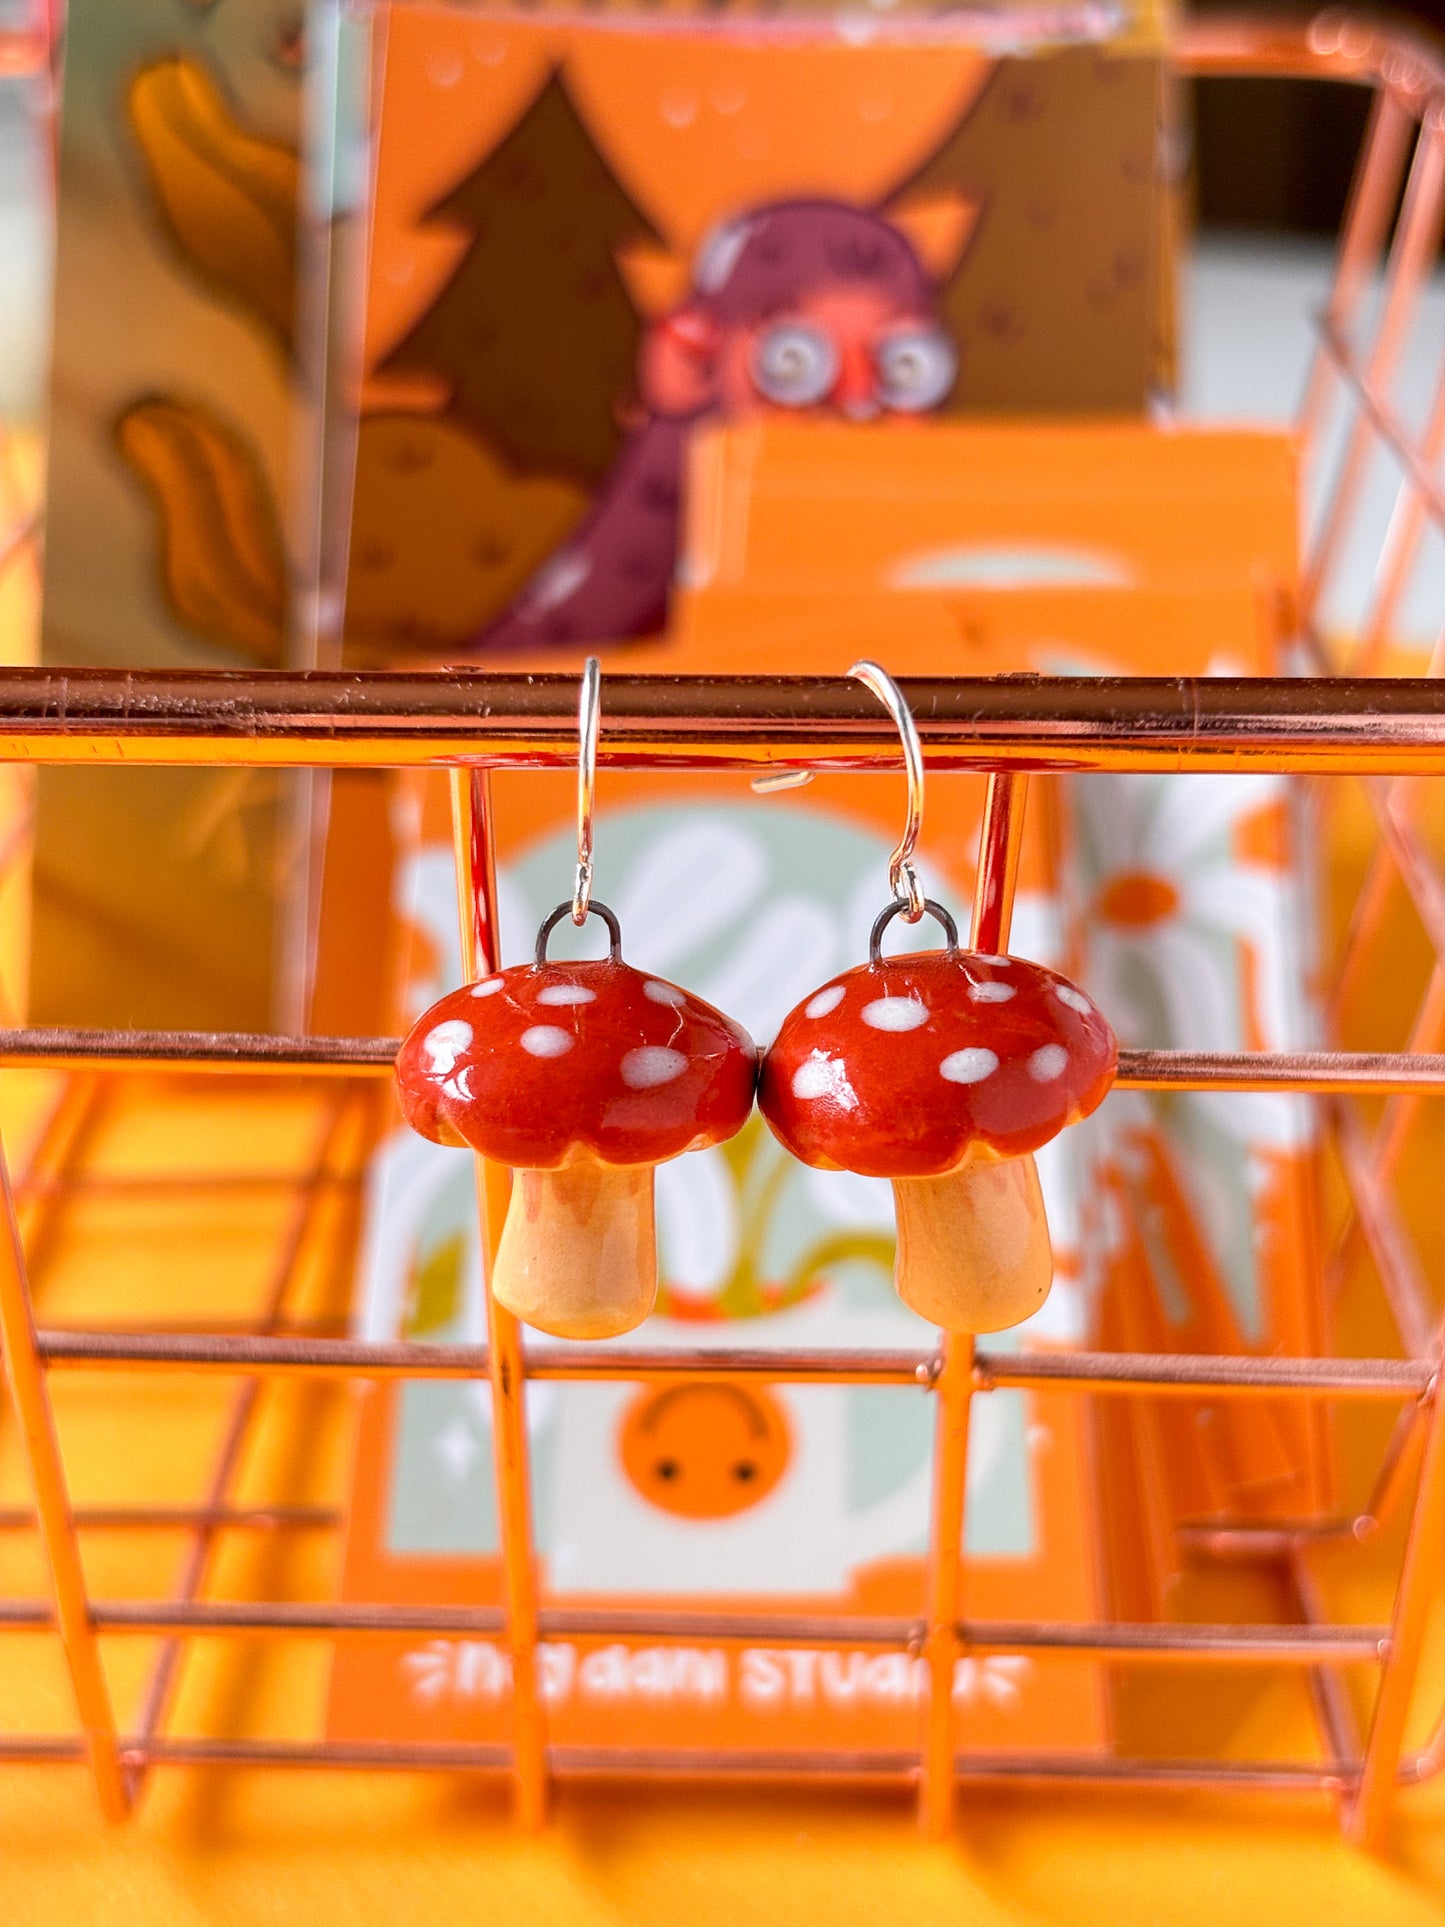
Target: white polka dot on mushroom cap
{"type": "Point", "coordinates": [991, 993]}
{"type": "Point", "coordinates": [1075, 999]}
{"type": "Point", "coordinates": [566, 994]}
{"type": "Point", "coordinates": [662, 993]}
{"type": "Point", "coordinates": [445, 1044]}
{"type": "Point", "coordinates": [649, 1065]}
{"type": "Point", "coordinates": [488, 987]}
{"type": "Point", "coordinates": [819, 1076]}
{"type": "Point", "coordinates": [970, 1066]}
{"type": "Point", "coordinates": [547, 1040]}
{"type": "Point", "coordinates": [1048, 1062]}
{"type": "Point", "coordinates": [895, 1013]}
{"type": "Point", "coordinates": [825, 1001]}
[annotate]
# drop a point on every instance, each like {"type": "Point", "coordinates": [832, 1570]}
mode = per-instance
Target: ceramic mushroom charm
{"type": "Point", "coordinates": [583, 1077]}
{"type": "Point", "coordinates": [944, 1071]}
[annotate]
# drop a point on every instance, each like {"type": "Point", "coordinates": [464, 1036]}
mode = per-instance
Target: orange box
{"type": "Point", "coordinates": [751, 901]}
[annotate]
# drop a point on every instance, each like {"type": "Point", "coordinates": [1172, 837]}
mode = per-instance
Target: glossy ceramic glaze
{"type": "Point", "coordinates": [908, 1067]}
{"type": "Point", "coordinates": [545, 1063]}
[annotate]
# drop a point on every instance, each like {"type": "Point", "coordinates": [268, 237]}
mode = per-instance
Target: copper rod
{"type": "Point", "coordinates": [291, 1618]}
{"type": "Point", "coordinates": [183, 1518]}
{"type": "Point", "coordinates": [1000, 840]}
{"type": "Point", "coordinates": [1369, 1814]}
{"type": "Point", "coordinates": [1412, 253]}
{"type": "Point", "coordinates": [374, 1756]}
{"type": "Point", "coordinates": [41, 1749]}
{"type": "Point", "coordinates": [1387, 424]}
{"type": "Point", "coordinates": [1242, 1540]}
{"type": "Point", "coordinates": [30, 1396]}
{"type": "Point", "coordinates": [198, 1052]}
{"type": "Point", "coordinates": [1330, 1701]}
{"type": "Point", "coordinates": [1353, 1073]}
{"type": "Point", "coordinates": [1372, 1214]}
{"type": "Point", "coordinates": [341, 1357]}
{"type": "Point", "coordinates": [1391, 1248]}
{"type": "Point", "coordinates": [703, 1763]}
{"type": "Point", "coordinates": [263, 719]}
{"type": "Point", "coordinates": [1399, 1115]}
{"type": "Point", "coordinates": [506, 1362]}
{"type": "Point", "coordinates": [1160, 1373]}
{"type": "Point", "coordinates": [1223, 1376]}
{"type": "Point", "coordinates": [1057, 1769]}
{"type": "Point", "coordinates": [1393, 1478]}
{"type": "Point", "coordinates": [284, 1618]}
{"type": "Point", "coordinates": [1367, 920]}
{"type": "Point", "coordinates": [1379, 171]}
{"type": "Point", "coordinates": [68, 1129]}
{"type": "Point", "coordinates": [1103, 1770]}
{"type": "Point", "coordinates": [244, 1053]}
{"type": "Point", "coordinates": [1403, 536]}
{"type": "Point", "coordinates": [1402, 1277]}
{"type": "Point", "coordinates": [1079, 1769]}
{"type": "Point", "coordinates": [1418, 871]}
{"type": "Point", "coordinates": [1308, 1645]}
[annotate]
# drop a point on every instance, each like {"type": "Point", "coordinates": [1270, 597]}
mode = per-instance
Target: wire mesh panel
{"type": "Point", "coordinates": [1383, 736]}
{"type": "Point", "coordinates": [1336, 727]}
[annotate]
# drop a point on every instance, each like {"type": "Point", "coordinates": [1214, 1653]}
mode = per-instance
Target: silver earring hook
{"type": "Point", "coordinates": [902, 877]}
{"type": "Point", "coordinates": [589, 720]}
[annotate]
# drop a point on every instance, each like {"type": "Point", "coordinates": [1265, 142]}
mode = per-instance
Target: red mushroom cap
{"type": "Point", "coordinates": [538, 1064]}
{"type": "Point", "coordinates": [908, 1067]}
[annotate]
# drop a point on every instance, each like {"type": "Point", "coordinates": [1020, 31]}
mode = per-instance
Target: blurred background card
{"type": "Point", "coordinates": [176, 534]}
{"type": "Point", "coordinates": [560, 214]}
{"type": "Point", "coordinates": [716, 1493]}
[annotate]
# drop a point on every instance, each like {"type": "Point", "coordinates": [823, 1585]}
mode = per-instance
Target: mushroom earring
{"type": "Point", "coordinates": [583, 1077]}
{"type": "Point", "coordinates": [943, 1071]}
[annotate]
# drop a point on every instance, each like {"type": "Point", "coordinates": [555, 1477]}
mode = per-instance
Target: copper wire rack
{"type": "Point", "coordinates": [1344, 721]}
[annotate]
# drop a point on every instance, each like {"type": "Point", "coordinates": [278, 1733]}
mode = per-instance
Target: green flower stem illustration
{"type": "Point", "coordinates": [760, 1174]}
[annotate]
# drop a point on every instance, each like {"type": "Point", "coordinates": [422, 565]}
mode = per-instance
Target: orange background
{"type": "Point", "coordinates": [694, 127]}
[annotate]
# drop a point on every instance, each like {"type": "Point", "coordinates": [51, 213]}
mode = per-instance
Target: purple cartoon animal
{"type": "Point", "coordinates": [805, 306]}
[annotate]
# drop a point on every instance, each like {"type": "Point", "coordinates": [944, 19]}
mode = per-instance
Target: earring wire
{"type": "Point", "coordinates": [589, 720]}
{"type": "Point", "coordinates": [902, 876]}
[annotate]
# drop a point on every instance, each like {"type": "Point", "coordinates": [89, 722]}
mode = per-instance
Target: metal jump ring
{"type": "Point", "coordinates": [885, 917]}
{"type": "Point", "coordinates": [902, 877]}
{"type": "Point", "coordinates": [614, 929]}
{"type": "Point", "coordinates": [589, 720]}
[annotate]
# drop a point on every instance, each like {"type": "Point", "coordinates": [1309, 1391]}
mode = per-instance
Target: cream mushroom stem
{"type": "Point", "coordinates": [973, 1245]}
{"type": "Point", "coordinates": [578, 1252]}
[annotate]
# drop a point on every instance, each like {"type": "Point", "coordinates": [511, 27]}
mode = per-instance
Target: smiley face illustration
{"type": "Point", "coordinates": [705, 1450]}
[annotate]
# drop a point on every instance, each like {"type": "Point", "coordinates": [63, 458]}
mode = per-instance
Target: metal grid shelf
{"type": "Point", "coordinates": [1389, 734]}
{"type": "Point", "coordinates": [496, 723]}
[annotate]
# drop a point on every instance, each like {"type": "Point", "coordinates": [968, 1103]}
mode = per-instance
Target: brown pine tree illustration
{"type": "Point", "coordinates": [1056, 303]}
{"type": "Point", "coordinates": [536, 332]}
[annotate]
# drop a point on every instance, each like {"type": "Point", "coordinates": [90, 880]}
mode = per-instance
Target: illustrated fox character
{"type": "Point", "coordinates": [803, 306]}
